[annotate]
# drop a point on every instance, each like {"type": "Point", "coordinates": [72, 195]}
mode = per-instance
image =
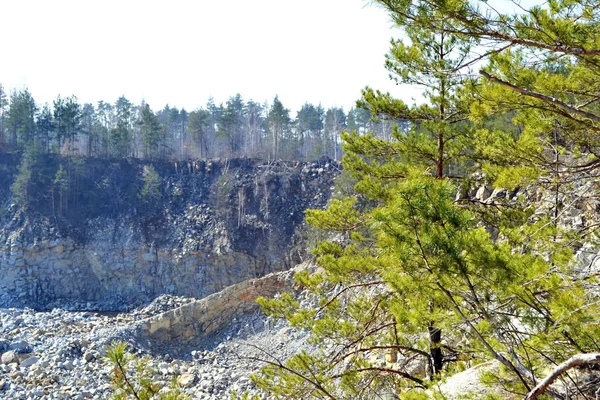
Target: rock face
{"type": "Point", "coordinates": [208, 315]}
{"type": "Point", "coordinates": [104, 245]}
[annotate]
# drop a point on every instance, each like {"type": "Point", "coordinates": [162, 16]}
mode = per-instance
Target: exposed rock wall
{"type": "Point", "coordinates": [206, 316]}
{"type": "Point", "coordinates": [213, 224]}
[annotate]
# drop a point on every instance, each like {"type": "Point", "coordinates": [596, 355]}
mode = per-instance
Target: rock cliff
{"type": "Point", "coordinates": [102, 244]}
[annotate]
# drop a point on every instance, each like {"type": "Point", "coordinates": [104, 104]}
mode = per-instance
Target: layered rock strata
{"type": "Point", "coordinates": [210, 224]}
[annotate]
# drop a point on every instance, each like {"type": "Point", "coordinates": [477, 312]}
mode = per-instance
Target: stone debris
{"type": "Point", "coordinates": [102, 275]}
{"type": "Point", "coordinates": [60, 354]}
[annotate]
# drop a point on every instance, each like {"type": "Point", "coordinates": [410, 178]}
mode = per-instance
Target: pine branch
{"type": "Point", "coordinates": [123, 374]}
{"type": "Point", "coordinates": [545, 98]}
{"type": "Point", "coordinates": [279, 364]}
{"type": "Point", "coordinates": [389, 371]}
{"type": "Point", "coordinates": [575, 361]}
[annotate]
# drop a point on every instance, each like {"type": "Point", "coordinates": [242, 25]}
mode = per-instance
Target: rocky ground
{"type": "Point", "coordinates": [60, 354]}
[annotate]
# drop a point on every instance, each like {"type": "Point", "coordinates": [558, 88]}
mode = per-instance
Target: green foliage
{"type": "Point", "coordinates": [120, 134]}
{"type": "Point", "coordinates": [67, 120]}
{"type": "Point", "coordinates": [45, 127]}
{"type": "Point", "coordinates": [28, 175]}
{"type": "Point", "coordinates": [20, 187]}
{"type": "Point", "coordinates": [132, 379]}
{"type": "Point", "coordinates": [421, 283]}
{"type": "Point", "coordinates": [20, 122]}
{"type": "Point", "coordinates": [151, 191]}
{"type": "Point", "coordinates": [61, 185]}
{"type": "Point", "coordinates": [244, 396]}
{"type": "Point", "coordinates": [309, 123]}
{"type": "Point", "coordinates": [278, 120]}
{"type": "Point", "coordinates": [150, 129]}
{"type": "Point", "coordinates": [198, 126]}
{"type": "Point", "coordinates": [308, 235]}
{"type": "Point", "coordinates": [230, 123]}
{"type": "Point", "coordinates": [237, 128]}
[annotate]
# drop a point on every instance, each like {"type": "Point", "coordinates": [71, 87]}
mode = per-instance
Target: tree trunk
{"type": "Point", "coordinates": [435, 349]}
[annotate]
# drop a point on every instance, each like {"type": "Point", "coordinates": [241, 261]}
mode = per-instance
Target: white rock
{"type": "Point", "coordinates": [186, 380]}
{"type": "Point", "coordinates": [28, 362]}
{"type": "Point", "coordinates": [468, 381]}
{"type": "Point", "coordinates": [10, 357]}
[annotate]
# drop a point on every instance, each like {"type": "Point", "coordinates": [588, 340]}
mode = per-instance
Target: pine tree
{"type": "Point", "coordinates": [45, 127]}
{"type": "Point", "coordinates": [60, 186]}
{"type": "Point", "coordinates": [29, 175]}
{"type": "Point", "coordinates": [231, 124]}
{"type": "Point", "coordinates": [90, 134]}
{"type": "Point", "coordinates": [198, 128]}
{"type": "Point", "coordinates": [150, 192]}
{"type": "Point", "coordinates": [541, 68]}
{"type": "Point", "coordinates": [20, 122]}
{"type": "Point", "coordinates": [419, 273]}
{"type": "Point", "coordinates": [150, 130]}
{"type": "Point", "coordinates": [132, 378]}
{"type": "Point", "coordinates": [254, 128]}
{"type": "Point", "coordinates": [309, 124]}
{"type": "Point", "coordinates": [120, 134]}
{"type": "Point", "coordinates": [67, 120]}
{"type": "Point", "coordinates": [278, 121]}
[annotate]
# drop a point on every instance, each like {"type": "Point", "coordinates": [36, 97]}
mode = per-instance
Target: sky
{"type": "Point", "coordinates": [181, 52]}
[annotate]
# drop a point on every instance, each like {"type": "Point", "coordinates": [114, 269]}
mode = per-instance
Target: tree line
{"type": "Point", "coordinates": [122, 129]}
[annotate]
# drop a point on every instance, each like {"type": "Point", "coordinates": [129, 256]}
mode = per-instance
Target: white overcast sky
{"type": "Point", "coordinates": [181, 52]}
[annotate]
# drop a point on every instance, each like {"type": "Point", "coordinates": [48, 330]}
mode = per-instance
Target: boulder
{"type": "Point", "coordinates": [20, 346]}
{"type": "Point", "coordinates": [28, 362]}
{"type": "Point", "coordinates": [186, 380]}
{"type": "Point", "coordinates": [88, 356]}
{"type": "Point", "coordinates": [10, 357]}
{"type": "Point", "coordinates": [469, 382]}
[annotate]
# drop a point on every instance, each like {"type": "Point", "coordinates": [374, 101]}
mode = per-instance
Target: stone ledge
{"type": "Point", "coordinates": [205, 316]}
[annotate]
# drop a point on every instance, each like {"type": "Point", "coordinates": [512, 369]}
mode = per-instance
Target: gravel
{"type": "Point", "coordinates": [60, 354]}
